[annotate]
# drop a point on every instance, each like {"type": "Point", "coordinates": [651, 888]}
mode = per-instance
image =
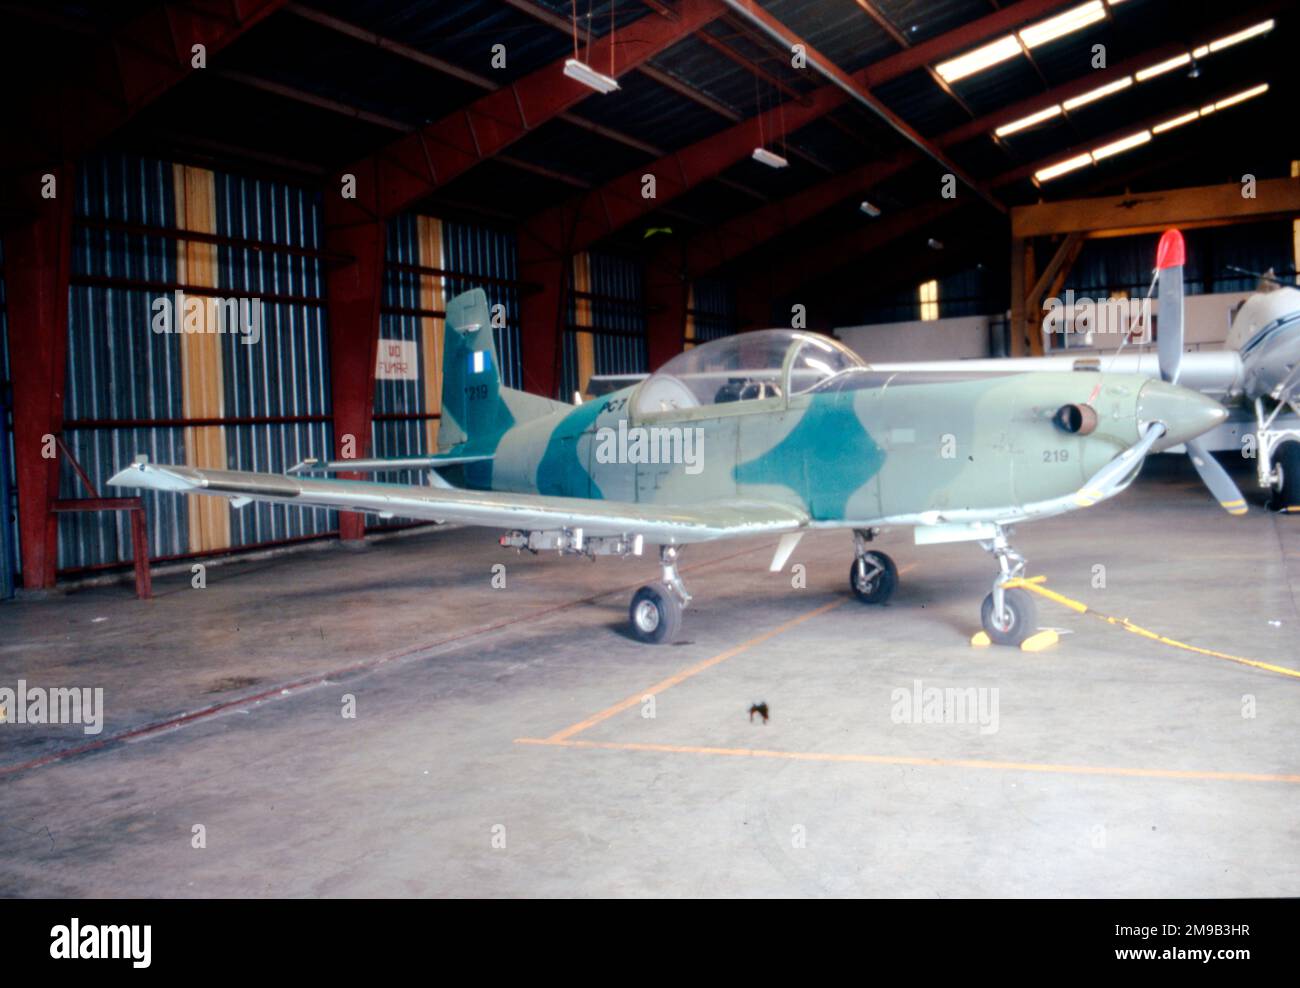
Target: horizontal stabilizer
{"type": "Point", "coordinates": [395, 463]}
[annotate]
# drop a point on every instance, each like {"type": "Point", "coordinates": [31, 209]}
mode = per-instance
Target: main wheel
{"type": "Point", "coordinates": [656, 614]}
{"type": "Point", "coordinates": [1021, 617]}
{"type": "Point", "coordinates": [1286, 461]}
{"type": "Point", "coordinates": [881, 579]}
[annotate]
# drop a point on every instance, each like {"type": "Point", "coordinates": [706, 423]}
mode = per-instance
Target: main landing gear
{"type": "Point", "coordinates": [1009, 615]}
{"type": "Point", "coordinates": [656, 611]}
{"type": "Point", "coordinates": [873, 575]}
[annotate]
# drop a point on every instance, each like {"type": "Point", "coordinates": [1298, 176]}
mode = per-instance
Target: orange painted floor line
{"type": "Point", "coordinates": [818, 756]}
{"type": "Point", "coordinates": [687, 673]}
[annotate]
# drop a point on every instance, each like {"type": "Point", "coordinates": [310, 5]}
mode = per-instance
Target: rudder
{"type": "Point", "coordinates": [474, 411]}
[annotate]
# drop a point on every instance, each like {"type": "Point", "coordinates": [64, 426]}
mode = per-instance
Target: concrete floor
{"type": "Point", "coordinates": [1120, 767]}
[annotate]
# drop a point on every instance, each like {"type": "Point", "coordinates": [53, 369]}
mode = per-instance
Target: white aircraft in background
{"type": "Point", "coordinates": [1257, 376]}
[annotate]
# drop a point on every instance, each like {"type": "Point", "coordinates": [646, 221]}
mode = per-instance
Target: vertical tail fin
{"type": "Point", "coordinates": [473, 408]}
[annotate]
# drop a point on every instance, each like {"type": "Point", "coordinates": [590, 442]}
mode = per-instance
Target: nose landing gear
{"type": "Point", "coordinates": [873, 575]}
{"type": "Point", "coordinates": [656, 610]}
{"type": "Point", "coordinates": [1009, 615]}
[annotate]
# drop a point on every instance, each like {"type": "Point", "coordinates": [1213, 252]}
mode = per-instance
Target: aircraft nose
{"type": "Point", "coordinates": [1185, 413]}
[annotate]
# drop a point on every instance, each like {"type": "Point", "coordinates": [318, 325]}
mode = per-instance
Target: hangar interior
{"type": "Point", "coordinates": [918, 178]}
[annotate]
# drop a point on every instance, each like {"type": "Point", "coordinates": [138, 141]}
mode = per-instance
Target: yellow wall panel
{"type": "Point", "coordinates": [431, 329]}
{"type": "Point", "coordinates": [584, 343]}
{"type": "Point", "coordinates": [203, 392]}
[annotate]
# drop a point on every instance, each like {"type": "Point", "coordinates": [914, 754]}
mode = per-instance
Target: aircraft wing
{"type": "Point", "coordinates": [498, 509]}
{"type": "Point", "coordinates": [1213, 372]}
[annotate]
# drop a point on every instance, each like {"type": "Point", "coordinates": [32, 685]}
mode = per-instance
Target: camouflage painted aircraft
{"type": "Point", "coordinates": [776, 432]}
{"type": "Point", "coordinates": [1256, 375]}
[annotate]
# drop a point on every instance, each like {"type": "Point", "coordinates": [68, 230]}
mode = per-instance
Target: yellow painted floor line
{"type": "Point", "coordinates": [974, 763]}
{"type": "Point", "coordinates": [685, 674]}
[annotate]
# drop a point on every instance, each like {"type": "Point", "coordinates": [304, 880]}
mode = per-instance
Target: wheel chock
{"type": "Point", "coordinates": [980, 640]}
{"type": "Point", "coordinates": [1039, 641]}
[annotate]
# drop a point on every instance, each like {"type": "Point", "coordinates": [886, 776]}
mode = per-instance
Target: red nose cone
{"type": "Point", "coordinates": [1172, 252]}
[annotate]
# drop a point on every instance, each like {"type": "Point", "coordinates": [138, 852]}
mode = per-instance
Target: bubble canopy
{"type": "Point", "coordinates": [770, 363]}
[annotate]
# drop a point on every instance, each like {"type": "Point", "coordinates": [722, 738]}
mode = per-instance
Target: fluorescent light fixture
{"type": "Point", "coordinates": [1062, 167]}
{"type": "Point", "coordinates": [1200, 52]}
{"type": "Point", "coordinates": [589, 77]}
{"type": "Point", "coordinates": [1186, 118]}
{"type": "Point", "coordinates": [979, 59]}
{"type": "Point", "coordinates": [1241, 97]}
{"type": "Point", "coordinates": [1207, 109]}
{"type": "Point", "coordinates": [1160, 68]}
{"type": "Point", "coordinates": [1062, 24]}
{"type": "Point", "coordinates": [1095, 94]}
{"type": "Point", "coordinates": [1123, 144]}
{"type": "Point", "coordinates": [1026, 122]}
{"type": "Point", "coordinates": [869, 209]}
{"type": "Point", "coordinates": [1263, 27]}
{"type": "Point", "coordinates": [769, 158]}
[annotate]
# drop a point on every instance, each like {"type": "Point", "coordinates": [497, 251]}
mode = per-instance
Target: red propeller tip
{"type": "Point", "coordinates": [1172, 252]}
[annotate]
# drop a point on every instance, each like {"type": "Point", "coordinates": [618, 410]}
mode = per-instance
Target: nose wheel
{"type": "Point", "coordinates": [1009, 615]}
{"type": "Point", "coordinates": [873, 575]}
{"type": "Point", "coordinates": [656, 609]}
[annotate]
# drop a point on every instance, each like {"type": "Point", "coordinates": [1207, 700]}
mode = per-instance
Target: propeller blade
{"type": "Point", "coordinates": [1170, 257]}
{"type": "Point", "coordinates": [1223, 488]}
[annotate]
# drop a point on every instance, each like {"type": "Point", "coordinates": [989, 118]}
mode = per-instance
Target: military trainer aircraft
{"type": "Point", "coordinates": [776, 432]}
{"type": "Point", "coordinates": [1256, 375]}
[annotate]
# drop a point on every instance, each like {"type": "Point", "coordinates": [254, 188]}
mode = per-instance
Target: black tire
{"type": "Point", "coordinates": [878, 588]}
{"type": "Point", "coordinates": [1023, 613]}
{"type": "Point", "coordinates": [1286, 459]}
{"type": "Point", "coordinates": [655, 614]}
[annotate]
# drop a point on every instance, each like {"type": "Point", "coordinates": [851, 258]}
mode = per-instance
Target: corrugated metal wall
{"type": "Point", "coordinates": [404, 434]}
{"type": "Point", "coordinates": [119, 371]}
{"type": "Point", "coordinates": [713, 310]}
{"type": "Point", "coordinates": [617, 316]}
{"type": "Point", "coordinates": [125, 392]}
{"type": "Point", "coordinates": [282, 381]}
{"type": "Point", "coordinates": [1125, 263]}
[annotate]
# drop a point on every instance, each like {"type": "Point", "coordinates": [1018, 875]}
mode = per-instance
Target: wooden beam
{"type": "Point", "coordinates": [1151, 212]}
{"type": "Point", "coordinates": [1052, 277]}
{"type": "Point", "coordinates": [1064, 257]}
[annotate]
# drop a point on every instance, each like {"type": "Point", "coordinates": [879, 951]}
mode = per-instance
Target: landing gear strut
{"type": "Point", "coordinates": [1009, 616]}
{"type": "Point", "coordinates": [656, 611]}
{"type": "Point", "coordinates": [873, 575]}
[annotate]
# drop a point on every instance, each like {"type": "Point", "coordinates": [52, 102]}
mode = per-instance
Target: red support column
{"type": "Point", "coordinates": [665, 294]}
{"type": "Point", "coordinates": [543, 313]}
{"type": "Point", "coordinates": [352, 292]}
{"type": "Point", "coordinates": [37, 259]}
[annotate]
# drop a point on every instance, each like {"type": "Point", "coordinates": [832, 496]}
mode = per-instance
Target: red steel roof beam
{"type": "Point", "coordinates": [412, 167]}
